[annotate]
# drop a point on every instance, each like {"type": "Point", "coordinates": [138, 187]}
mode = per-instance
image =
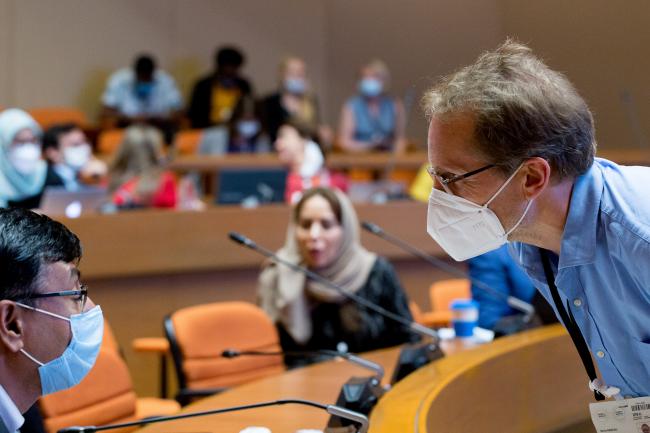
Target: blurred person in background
{"type": "Point", "coordinates": [245, 134]}
{"type": "Point", "coordinates": [297, 148]}
{"type": "Point", "coordinates": [323, 235]}
{"type": "Point", "coordinates": [215, 96]}
{"type": "Point", "coordinates": [142, 94]}
{"type": "Point", "coordinates": [70, 159]}
{"type": "Point", "coordinates": [373, 120]}
{"type": "Point", "coordinates": [22, 170]}
{"type": "Point", "coordinates": [137, 174]}
{"type": "Point", "coordinates": [293, 101]}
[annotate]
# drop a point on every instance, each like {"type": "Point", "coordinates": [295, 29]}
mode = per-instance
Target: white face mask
{"type": "Point", "coordinates": [465, 229]}
{"type": "Point", "coordinates": [77, 156]}
{"type": "Point", "coordinates": [25, 157]}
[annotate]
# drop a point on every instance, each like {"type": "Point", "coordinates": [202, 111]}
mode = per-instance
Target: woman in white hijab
{"type": "Point", "coordinates": [324, 236]}
{"type": "Point", "coordinates": [22, 170]}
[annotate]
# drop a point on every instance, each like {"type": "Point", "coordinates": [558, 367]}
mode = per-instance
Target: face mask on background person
{"type": "Point", "coordinates": [248, 128]}
{"type": "Point", "coordinates": [143, 89]}
{"type": "Point", "coordinates": [296, 86]}
{"type": "Point", "coordinates": [78, 358]}
{"type": "Point", "coordinates": [77, 156]}
{"type": "Point", "coordinates": [465, 229]}
{"type": "Point", "coordinates": [25, 157]}
{"type": "Point", "coordinates": [370, 87]}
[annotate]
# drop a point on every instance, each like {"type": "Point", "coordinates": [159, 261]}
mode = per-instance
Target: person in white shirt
{"type": "Point", "coordinates": [141, 94]}
{"type": "Point", "coordinates": [50, 331]}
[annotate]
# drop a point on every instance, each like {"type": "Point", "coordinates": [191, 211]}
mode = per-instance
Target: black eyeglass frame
{"type": "Point", "coordinates": [83, 292]}
{"type": "Point", "coordinates": [455, 178]}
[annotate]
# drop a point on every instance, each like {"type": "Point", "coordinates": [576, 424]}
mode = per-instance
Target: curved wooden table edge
{"type": "Point", "coordinates": [411, 398]}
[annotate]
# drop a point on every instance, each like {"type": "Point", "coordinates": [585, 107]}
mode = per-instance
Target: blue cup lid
{"type": "Point", "coordinates": [464, 304]}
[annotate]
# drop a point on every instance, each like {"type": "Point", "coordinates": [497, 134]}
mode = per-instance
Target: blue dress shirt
{"type": "Point", "coordinates": [500, 272]}
{"type": "Point", "coordinates": [603, 270]}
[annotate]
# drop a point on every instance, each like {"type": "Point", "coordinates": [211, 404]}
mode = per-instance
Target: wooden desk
{"type": "Point", "coordinates": [152, 242]}
{"type": "Point", "coordinates": [531, 382]}
{"type": "Point", "coordinates": [335, 161]}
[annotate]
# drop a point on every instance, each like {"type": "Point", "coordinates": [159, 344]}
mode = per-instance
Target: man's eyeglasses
{"type": "Point", "coordinates": [81, 295]}
{"type": "Point", "coordinates": [446, 180]}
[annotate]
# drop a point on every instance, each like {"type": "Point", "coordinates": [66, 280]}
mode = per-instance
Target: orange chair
{"type": "Point", "coordinates": [187, 141]}
{"type": "Point", "coordinates": [198, 335]}
{"type": "Point", "coordinates": [109, 140]}
{"type": "Point", "coordinates": [441, 295]}
{"type": "Point", "coordinates": [105, 396]}
{"type": "Point", "coordinates": [48, 116]}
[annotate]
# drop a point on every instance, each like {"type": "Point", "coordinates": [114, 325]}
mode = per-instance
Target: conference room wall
{"type": "Point", "coordinates": [601, 46]}
{"type": "Point", "coordinates": [136, 306]}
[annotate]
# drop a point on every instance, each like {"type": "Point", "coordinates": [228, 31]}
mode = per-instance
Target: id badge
{"type": "Point", "coordinates": [621, 416]}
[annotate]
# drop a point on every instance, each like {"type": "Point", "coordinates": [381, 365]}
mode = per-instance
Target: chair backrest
{"type": "Point", "coordinates": [48, 116]}
{"type": "Point", "coordinates": [416, 312]}
{"type": "Point", "coordinates": [442, 293]}
{"type": "Point", "coordinates": [109, 140]}
{"type": "Point", "coordinates": [198, 335]}
{"type": "Point", "coordinates": [105, 396]}
{"type": "Point", "coordinates": [187, 141]}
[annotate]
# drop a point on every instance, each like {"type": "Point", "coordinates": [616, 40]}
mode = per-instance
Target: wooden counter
{"type": "Point", "coordinates": [530, 382]}
{"type": "Point", "coordinates": [170, 242]}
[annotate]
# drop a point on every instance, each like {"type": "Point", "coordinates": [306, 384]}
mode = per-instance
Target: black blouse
{"type": "Point", "coordinates": [362, 330]}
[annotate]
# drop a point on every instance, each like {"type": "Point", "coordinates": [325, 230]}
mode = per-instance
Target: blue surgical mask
{"type": "Point", "coordinates": [248, 128]}
{"type": "Point", "coordinates": [370, 87]}
{"type": "Point", "coordinates": [78, 358]}
{"type": "Point", "coordinates": [143, 89]}
{"type": "Point", "coordinates": [296, 86]}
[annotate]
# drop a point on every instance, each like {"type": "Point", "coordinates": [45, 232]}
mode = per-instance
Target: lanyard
{"type": "Point", "coordinates": [569, 322]}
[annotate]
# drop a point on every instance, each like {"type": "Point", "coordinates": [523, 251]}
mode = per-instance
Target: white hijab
{"type": "Point", "coordinates": [283, 293]}
{"type": "Point", "coordinates": [13, 184]}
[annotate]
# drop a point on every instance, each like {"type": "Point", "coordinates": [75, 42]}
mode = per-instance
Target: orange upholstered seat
{"type": "Point", "coordinates": [109, 140]}
{"type": "Point", "coordinates": [187, 141]}
{"type": "Point", "coordinates": [198, 335]}
{"type": "Point", "coordinates": [48, 116]}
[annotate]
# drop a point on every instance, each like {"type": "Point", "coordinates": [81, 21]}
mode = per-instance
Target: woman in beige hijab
{"type": "Point", "coordinates": [323, 235]}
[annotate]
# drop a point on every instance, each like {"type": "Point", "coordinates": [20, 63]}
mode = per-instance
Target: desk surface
{"type": "Point", "coordinates": [320, 383]}
{"type": "Point", "coordinates": [342, 161]}
{"type": "Point", "coordinates": [426, 400]}
{"type": "Point", "coordinates": [150, 242]}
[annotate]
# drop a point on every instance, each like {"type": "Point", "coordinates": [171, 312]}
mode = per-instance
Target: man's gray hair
{"type": "Point", "coordinates": [522, 109]}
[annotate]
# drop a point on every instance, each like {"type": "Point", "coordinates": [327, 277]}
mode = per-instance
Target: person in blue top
{"type": "Point", "coordinates": [512, 152]}
{"type": "Point", "coordinates": [372, 120]}
{"type": "Point", "coordinates": [500, 272]}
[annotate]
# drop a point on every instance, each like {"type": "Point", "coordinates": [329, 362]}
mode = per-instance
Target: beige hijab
{"type": "Point", "coordinates": [283, 293]}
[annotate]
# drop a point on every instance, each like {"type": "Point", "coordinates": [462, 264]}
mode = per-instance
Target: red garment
{"type": "Point", "coordinates": [297, 184]}
{"type": "Point", "coordinates": [164, 197]}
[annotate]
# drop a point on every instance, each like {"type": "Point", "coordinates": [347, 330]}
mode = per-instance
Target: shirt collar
{"type": "Point", "coordinates": [578, 245]}
{"type": "Point", "coordinates": [10, 416]}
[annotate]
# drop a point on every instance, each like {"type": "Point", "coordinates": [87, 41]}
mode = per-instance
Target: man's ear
{"type": "Point", "coordinates": [537, 172]}
{"type": "Point", "coordinates": [11, 327]}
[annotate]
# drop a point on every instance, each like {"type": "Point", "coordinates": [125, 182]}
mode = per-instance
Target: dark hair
{"type": "Point", "coordinates": [327, 193]}
{"type": "Point", "coordinates": [144, 65]}
{"type": "Point", "coordinates": [28, 241]}
{"type": "Point", "coordinates": [53, 134]}
{"type": "Point", "coordinates": [229, 56]}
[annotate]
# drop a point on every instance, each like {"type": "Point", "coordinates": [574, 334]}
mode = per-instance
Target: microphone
{"type": "Point", "coordinates": [412, 356]}
{"type": "Point", "coordinates": [358, 394]}
{"type": "Point", "coordinates": [333, 410]}
{"type": "Point", "coordinates": [513, 302]}
{"type": "Point", "coordinates": [377, 369]}
{"type": "Point", "coordinates": [409, 324]}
